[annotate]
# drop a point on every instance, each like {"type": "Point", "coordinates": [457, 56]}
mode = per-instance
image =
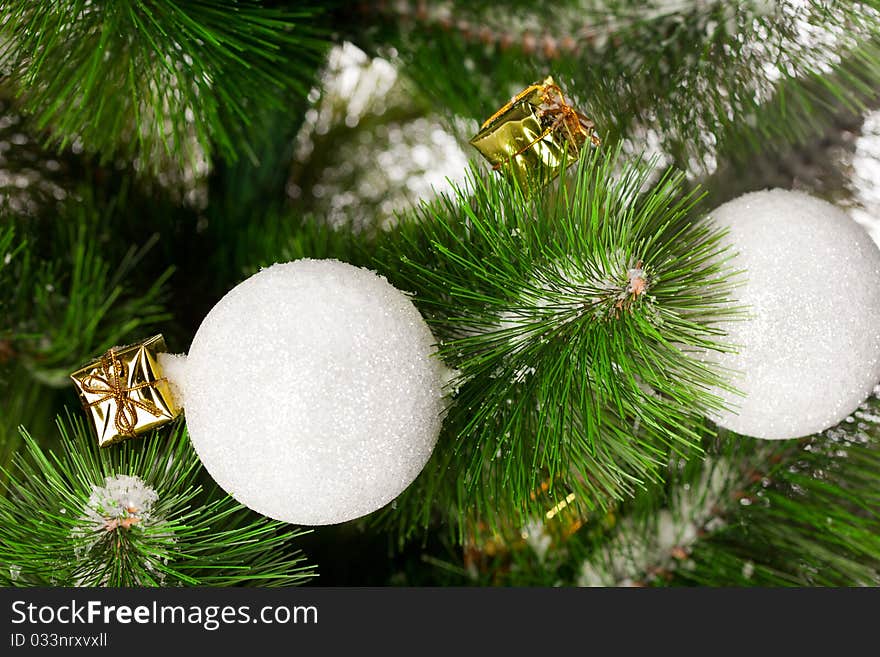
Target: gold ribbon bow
{"type": "Point", "coordinates": [112, 383]}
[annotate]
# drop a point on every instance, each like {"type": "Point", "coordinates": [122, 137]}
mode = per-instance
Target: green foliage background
{"type": "Point", "coordinates": [153, 154]}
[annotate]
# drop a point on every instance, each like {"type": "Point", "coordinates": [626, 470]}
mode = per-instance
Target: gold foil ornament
{"type": "Point", "coordinates": [124, 393]}
{"type": "Point", "coordinates": [535, 135]}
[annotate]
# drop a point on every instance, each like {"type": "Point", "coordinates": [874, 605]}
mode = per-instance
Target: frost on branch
{"type": "Point", "coordinates": [114, 513]}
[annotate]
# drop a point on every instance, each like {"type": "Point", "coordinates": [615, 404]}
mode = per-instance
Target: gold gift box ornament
{"type": "Point", "coordinates": [124, 393]}
{"type": "Point", "coordinates": [535, 135]}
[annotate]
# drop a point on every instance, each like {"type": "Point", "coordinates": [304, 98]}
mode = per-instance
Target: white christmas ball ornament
{"type": "Point", "coordinates": [809, 351]}
{"type": "Point", "coordinates": [311, 392]}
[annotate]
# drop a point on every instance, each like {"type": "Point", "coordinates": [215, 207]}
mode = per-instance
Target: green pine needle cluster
{"type": "Point", "coordinates": [575, 321]}
{"type": "Point", "coordinates": [688, 77]}
{"type": "Point", "coordinates": [69, 287]}
{"type": "Point", "coordinates": [576, 447]}
{"type": "Point", "coordinates": [155, 80]}
{"type": "Point", "coordinates": [134, 515]}
{"type": "Point", "coordinates": [736, 512]}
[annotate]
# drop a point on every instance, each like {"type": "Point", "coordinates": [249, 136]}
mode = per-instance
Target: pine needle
{"type": "Point", "coordinates": [132, 515]}
{"type": "Point", "coordinates": [157, 80]}
{"type": "Point", "coordinates": [575, 324]}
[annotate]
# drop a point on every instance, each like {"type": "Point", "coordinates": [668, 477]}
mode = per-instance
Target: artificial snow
{"type": "Point", "coordinates": [121, 496]}
{"type": "Point", "coordinates": [173, 369]}
{"type": "Point", "coordinates": [312, 393]}
{"type": "Point", "coordinates": [638, 550]}
{"type": "Point", "coordinates": [124, 501]}
{"type": "Point", "coordinates": [809, 351]}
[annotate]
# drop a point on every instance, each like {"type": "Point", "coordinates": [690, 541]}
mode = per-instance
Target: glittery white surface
{"type": "Point", "coordinates": [119, 497]}
{"type": "Point", "coordinates": [311, 392]}
{"type": "Point", "coordinates": [809, 352]}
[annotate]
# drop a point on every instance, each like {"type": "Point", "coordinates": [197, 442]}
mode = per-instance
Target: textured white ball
{"type": "Point", "coordinates": [311, 392]}
{"type": "Point", "coordinates": [809, 353]}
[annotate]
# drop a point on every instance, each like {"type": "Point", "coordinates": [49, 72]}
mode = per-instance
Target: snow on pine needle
{"type": "Point", "coordinates": [123, 502]}
{"type": "Point", "coordinates": [134, 514]}
{"type": "Point", "coordinates": [572, 317]}
{"type": "Point", "coordinates": [645, 548]}
{"type": "Point", "coordinates": [116, 512]}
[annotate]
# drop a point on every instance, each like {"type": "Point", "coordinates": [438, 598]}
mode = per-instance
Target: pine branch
{"type": "Point", "coordinates": [802, 121]}
{"type": "Point", "coordinates": [741, 512]}
{"type": "Point", "coordinates": [360, 157]}
{"type": "Point", "coordinates": [804, 513]}
{"type": "Point", "coordinates": [157, 80]}
{"type": "Point", "coordinates": [132, 515]}
{"type": "Point", "coordinates": [655, 537]}
{"type": "Point", "coordinates": [66, 292]}
{"type": "Point", "coordinates": [812, 520]}
{"type": "Point", "coordinates": [574, 323]}
{"type": "Point", "coordinates": [682, 76]}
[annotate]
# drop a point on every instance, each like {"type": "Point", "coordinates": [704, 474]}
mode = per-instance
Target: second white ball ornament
{"type": "Point", "coordinates": [809, 352]}
{"type": "Point", "coordinates": [311, 392]}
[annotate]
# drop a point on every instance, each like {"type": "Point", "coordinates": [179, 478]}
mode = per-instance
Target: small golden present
{"type": "Point", "coordinates": [535, 135]}
{"type": "Point", "coordinates": [124, 392]}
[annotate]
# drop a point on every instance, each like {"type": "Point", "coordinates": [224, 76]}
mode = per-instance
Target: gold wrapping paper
{"type": "Point", "coordinates": [535, 135]}
{"type": "Point", "coordinates": [124, 393]}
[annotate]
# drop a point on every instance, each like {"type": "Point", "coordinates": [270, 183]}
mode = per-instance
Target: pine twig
{"type": "Point", "coordinates": [132, 515]}
{"type": "Point", "coordinates": [574, 324]}
{"type": "Point", "coordinates": [157, 80]}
